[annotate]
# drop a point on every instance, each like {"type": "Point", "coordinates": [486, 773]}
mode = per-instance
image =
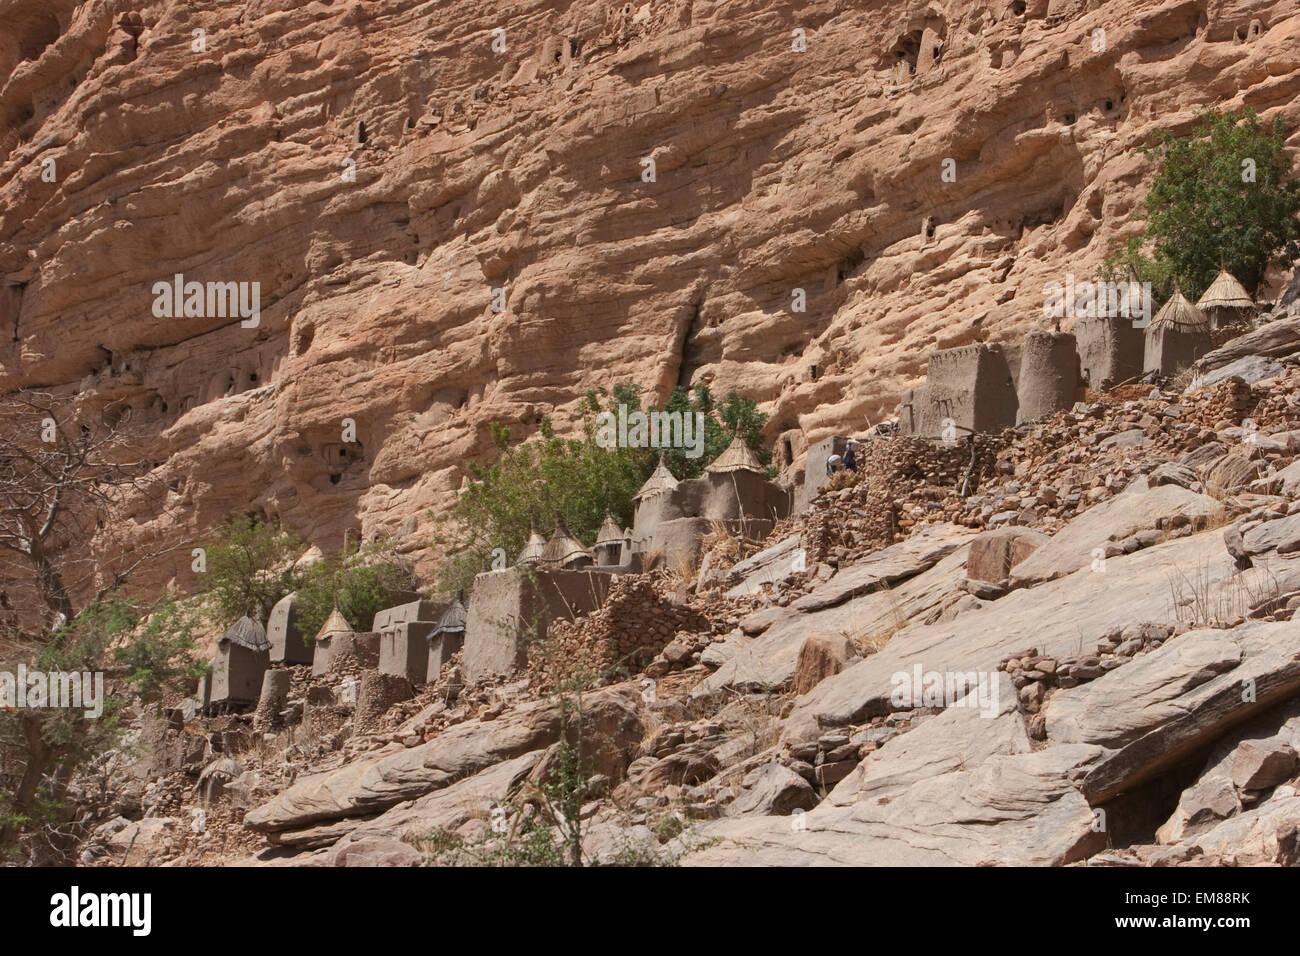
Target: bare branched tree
{"type": "Point", "coordinates": [61, 475]}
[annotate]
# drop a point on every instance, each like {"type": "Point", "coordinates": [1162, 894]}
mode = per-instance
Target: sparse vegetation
{"type": "Point", "coordinates": [359, 581]}
{"type": "Point", "coordinates": [141, 650]}
{"type": "Point", "coordinates": [1224, 196]}
{"type": "Point", "coordinates": [249, 568]}
{"type": "Point", "coordinates": [575, 479]}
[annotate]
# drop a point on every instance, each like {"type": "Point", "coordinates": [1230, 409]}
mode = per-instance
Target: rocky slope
{"type": "Point", "coordinates": [380, 168]}
{"type": "Point", "coordinates": [1109, 616]}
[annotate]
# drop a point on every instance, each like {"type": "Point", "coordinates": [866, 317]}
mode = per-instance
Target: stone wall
{"type": "Point", "coordinates": [672, 525]}
{"type": "Point", "coordinates": [620, 638]}
{"type": "Point", "coordinates": [986, 388]}
{"type": "Point", "coordinates": [1110, 350]}
{"type": "Point", "coordinates": [511, 608]}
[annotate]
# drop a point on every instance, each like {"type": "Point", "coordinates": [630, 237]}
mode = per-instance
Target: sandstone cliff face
{"type": "Point", "coordinates": [380, 168]}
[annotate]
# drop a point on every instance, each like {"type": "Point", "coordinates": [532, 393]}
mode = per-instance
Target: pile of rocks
{"type": "Point", "coordinates": [899, 483]}
{"type": "Point", "coordinates": [1054, 470]}
{"type": "Point", "coordinates": [832, 757]}
{"type": "Point", "coordinates": [639, 619]}
{"type": "Point", "coordinates": [1034, 675]}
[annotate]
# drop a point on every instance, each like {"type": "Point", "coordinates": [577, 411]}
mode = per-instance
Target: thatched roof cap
{"type": "Point", "coordinates": [336, 623]}
{"type": "Point", "coordinates": [1180, 315]}
{"type": "Point", "coordinates": [452, 619]}
{"type": "Point", "coordinates": [563, 546]}
{"type": "Point", "coordinates": [610, 532]}
{"type": "Point", "coordinates": [246, 633]}
{"type": "Point", "coordinates": [532, 552]}
{"type": "Point", "coordinates": [737, 457]}
{"type": "Point", "coordinates": [1225, 292]}
{"type": "Point", "coordinates": [660, 480]}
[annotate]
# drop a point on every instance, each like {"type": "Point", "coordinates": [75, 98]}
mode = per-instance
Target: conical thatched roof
{"type": "Point", "coordinates": [246, 633]}
{"type": "Point", "coordinates": [1180, 315]}
{"type": "Point", "coordinates": [660, 480]}
{"type": "Point", "coordinates": [334, 624]}
{"type": "Point", "coordinates": [563, 546]}
{"type": "Point", "coordinates": [452, 619]}
{"type": "Point", "coordinates": [610, 532]}
{"type": "Point", "coordinates": [532, 552]}
{"type": "Point", "coordinates": [737, 457]}
{"type": "Point", "coordinates": [1225, 292]}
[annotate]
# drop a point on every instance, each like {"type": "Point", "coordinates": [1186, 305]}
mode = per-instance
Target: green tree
{"type": "Point", "coordinates": [249, 568]}
{"type": "Point", "coordinates": [140, 651]}
{"type": "Point", "coordinates": [360, 581]}
{"type": "Point", "coordinates": [1223, 196]}
{"type": "Point", "coordinates": [576, 479]}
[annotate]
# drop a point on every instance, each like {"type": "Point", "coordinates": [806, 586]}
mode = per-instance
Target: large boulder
{"type": "Point", "coordinates": [1138, 508]}
{"type": "Point", "coordinates": [395, 774]}
{"type": "Point", "coordinates": [1230, 474]}
{"type": "Point", "coordinates": [994, 553]}
{"type": "Point", "coordinates": [1259, 765]}
{"type": "Point", "coordinates": [1213, 796]}
{"type": "Point", "coordinates": [820, 656]}
{"type": "Point", "coordinates": [773, 790]}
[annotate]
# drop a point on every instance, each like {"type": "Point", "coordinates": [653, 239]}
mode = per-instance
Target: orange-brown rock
{"type": "Point", "coordinates": [380, 168]}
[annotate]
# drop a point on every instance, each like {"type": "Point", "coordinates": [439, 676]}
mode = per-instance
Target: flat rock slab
{"type": "Point", "coordinates": [1016, 810]}
{"type": "Point", "coordinates": [370, 785]}
{"type": "Point", "coordinates": [1250, 369]}
{"type": "Point", "coordinates": [449, 809]}
{"type": "Point", "coordinates": [1164, 706]}
{"type": "Point", "coordinates": [1137, 508]}
{"type": "Point", "coordinates": [1272, 340]}
{"type": "Point", "coordinates": [766, 567]}
{"type": "Point", "coordinates": [1149, 690]}
{"type": "Point", "coordinates": [957, 738]}
{"type": "Point", "coordinates": [771, 659]}
{"type": "Point", "coordinates": [1059, 619]}
{"type": "Point", "coordinates": [888, 566]}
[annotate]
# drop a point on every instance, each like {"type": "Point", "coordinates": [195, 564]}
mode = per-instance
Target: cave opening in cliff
{"type": "Point", "coordinates": [11, 304]}
{"type": "Point", "coordinates": [40, 33]}
{"type": "Point", "coordinates": [908, 50]}
{"type": "Point", "coordinates": [849, 265]}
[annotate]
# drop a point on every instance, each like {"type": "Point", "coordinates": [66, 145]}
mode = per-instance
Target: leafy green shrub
{"type": "Point", "coordinates": [139, 649]}
{"type": "Point", "coordinates": [249, 568]}
{"type": "Point", "coordinates": [576, 479]}
{"type": "Point", "coordinates": [359, 581]}
{"type": "Point", "coordinates": [1222, 197]}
